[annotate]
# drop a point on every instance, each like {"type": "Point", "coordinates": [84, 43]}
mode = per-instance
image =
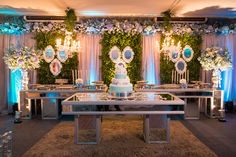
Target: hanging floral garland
{"type": "Point", "coordinates": [99, 26]}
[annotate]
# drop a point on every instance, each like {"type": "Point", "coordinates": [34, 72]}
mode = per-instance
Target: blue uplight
{"type": "Point", "coordinates": [15, 86]}
{"type": "Point", "coordinates": [51, 95]}
{"type": "Point", "coordinates": [93, 72]}
{"type": "Point", "coordinates": [7, 11]}
{"type": "Point", "coordinates": [226, 84]}
{"type": "Point", "coordinates": [151, 73]}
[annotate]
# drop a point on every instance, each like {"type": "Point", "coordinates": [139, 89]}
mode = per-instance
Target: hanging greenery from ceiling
{"type": "Point", "coordinates": [167, 18]}
{"type": "Point", "coordinates": [70, 19]}
{"type": "Point", "coordinates": [121, 40]}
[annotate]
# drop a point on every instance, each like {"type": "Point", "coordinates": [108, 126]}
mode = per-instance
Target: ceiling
{"type": "Point", "coordinates": [196, 8]}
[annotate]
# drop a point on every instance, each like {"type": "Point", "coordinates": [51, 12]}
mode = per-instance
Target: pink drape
{"type": "Point", "coordinates": [89, 61]}
{"type": "Point", "coordinates": [5, 42]}
{"type": "Point", "coordinates": [151, 59]}
{"type": "Point", "coordinates": [229, 76]}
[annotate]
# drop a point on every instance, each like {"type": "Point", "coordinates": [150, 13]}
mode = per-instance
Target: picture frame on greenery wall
{"type": "Point", "coordinates": [174, 55]}
{"type": "Point", "coordinates": [121, 40]}
{"type": "Point", "coordinates": [115, 54]}
{"type": "Point", "coordinates": [180, 66]}
{"type": "Point", "coordinates": [166, 66]}
{"type": "Point", "coordinates": [55, 67]}
{"type": "Point", "coordinates": [48, 54]}
{"type": "Point", "coordinates": [45, 38]}
{"type": "Point", "coordinates": [127, 54]}
{"type": "Point", "coordinates": [187, 53]}
{"type": "Point", "coordinates": [62, 55]}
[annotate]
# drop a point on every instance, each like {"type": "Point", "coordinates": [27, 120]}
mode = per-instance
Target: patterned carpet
{"type": "Point", "coordinates": [121, 137]}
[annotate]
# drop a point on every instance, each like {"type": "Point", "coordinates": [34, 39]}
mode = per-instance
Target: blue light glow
{"type": "Point", "coordinates": [226, 84]}
{"type": "Point", "coordinates": [51, 95]}
{"type": "Point", "coordinates": [151, 71]}
{"type": "Point", "coordinates": [7, 28]}
{"type": "Point", "coordinates": [15, 86]}
{"type": "Point", "coordinates": [93, 73]}
{"type": "Point", "coordinates": [7, 11]}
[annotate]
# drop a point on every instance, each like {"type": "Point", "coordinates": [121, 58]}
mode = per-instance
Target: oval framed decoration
{"type": "Point", "coordinates": [180, 66]}
{"type": "Point", "coordinates": [174, 54]}
{"type": "Point", "coordinates": [62, 55]}
{"type": "Point", "coordinates": [127, 54]}
{"type": "Point", "coordinates": [55, 67]}
{"type": "Point", "coordinates": [48, 54]}
{"type": "Point", "coordinates": [187, 53]}
{"type": "Point", "coordinates": [115, 54]}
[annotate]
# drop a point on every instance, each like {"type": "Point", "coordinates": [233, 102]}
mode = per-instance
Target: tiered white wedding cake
{"type": "Point", "coordinates": [121, 85]}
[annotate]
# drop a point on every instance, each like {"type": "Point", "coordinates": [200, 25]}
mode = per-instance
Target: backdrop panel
{"type": "Point", "coordinates": [89, 61]}
{"type": "Point", "coordinates": [151, 59]}
{"type": "Point", "coordinates": [228, 77]}
{"type": "Point", "coordinates": [10, 80]}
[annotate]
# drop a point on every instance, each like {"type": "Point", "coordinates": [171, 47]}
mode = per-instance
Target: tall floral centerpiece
{"type": "Point", "coordinates": [216, 59]}
{"type": "Point", "coordinates": [25, 59]}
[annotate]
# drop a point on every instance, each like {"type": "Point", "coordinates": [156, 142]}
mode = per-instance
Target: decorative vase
{"type": "Point", "coordinates": [216, 78]}
{"type": "Point", "coordinates": [25, 79]}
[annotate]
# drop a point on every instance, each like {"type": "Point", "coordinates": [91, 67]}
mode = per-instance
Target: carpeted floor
{"type": "Point", "coordinates": [121, 137]}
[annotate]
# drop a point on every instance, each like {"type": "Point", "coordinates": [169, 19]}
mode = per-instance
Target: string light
{"type": "Point", "coordinates": [169, 46]}
{"type": "Point", "coordinates": [69, 44]}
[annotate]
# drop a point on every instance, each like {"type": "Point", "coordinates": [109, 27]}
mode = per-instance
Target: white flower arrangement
{"type": "Point", "coordinates": [182, 81]}
{"type": "Point", "coordinates": [99, 26]}
{"type": "Point", "coordinates": [215, 58]}
{"type": "Point", "coordinates": [79, 81]}
{"type": "Point", "coordinates": [23, 58]}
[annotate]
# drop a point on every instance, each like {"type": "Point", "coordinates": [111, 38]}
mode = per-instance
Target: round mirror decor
{"type": "Point", "coordinates": [55, 67]}
{"type": "Point", "coordinates": [187, 53]}
{"type": "Point", "coordinates": [115, 54]}
{"type": "Point", "coordinates": [180, 66]}
{"type": "Point", "coordinates": [127, 54]}
{"type": "Point", "coordinates": [174, 54]}
{"type": "Point", "coordinates": [48, 54]}
{"type": "Point", "coordinates": [62, 55]}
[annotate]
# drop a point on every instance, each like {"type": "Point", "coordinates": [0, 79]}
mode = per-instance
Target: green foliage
{"type": "Point", "coordinates": [43, 39]}
{"type": "Point", "coordinates": [121, 40]}
{"type": "Point", "coordinates": [166, 19]}
{"type": "Point", "coordinates": [70, 19]}
{"type": "Point", "coordinates": [193, 66]}
{"type": "Point", "coordinates": [46, 77]}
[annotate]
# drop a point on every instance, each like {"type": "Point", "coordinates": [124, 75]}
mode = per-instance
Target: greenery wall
{"type": "Point", "coordinates": [193, 66]}
{"type": "Point", "coordinates": [121, 40]}
{"type": "Point", "coordinates": [43, 39]}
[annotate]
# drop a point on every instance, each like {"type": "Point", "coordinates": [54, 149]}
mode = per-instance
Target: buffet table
{"type": "Point", "coordinates": [212, 99]}
{"type": "Point", "coordinates": [149, 105]}
{"type": "Point", "coordinates": [50, 97]}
